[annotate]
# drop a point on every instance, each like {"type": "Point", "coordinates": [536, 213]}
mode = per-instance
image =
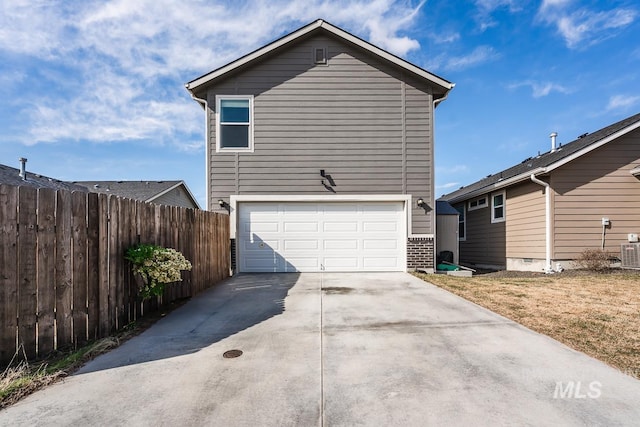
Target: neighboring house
{"type": "Point", "coordinates": [549, 208]}
{"type": "Point", "coordinates": [320, 145]}
{"type": "Point", "coordinates": [173, 193]}
{"type": "Point", "coordinates": [22, 176]}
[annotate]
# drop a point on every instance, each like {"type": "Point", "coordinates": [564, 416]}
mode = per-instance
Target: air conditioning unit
{"type": "Point", "coordinates": [630, 255]}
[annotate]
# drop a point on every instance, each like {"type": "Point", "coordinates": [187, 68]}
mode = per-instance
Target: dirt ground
{"type": "Point", "coordinates": [596, 313]}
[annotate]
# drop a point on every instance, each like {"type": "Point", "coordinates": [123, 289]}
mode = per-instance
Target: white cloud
{"type": "Point", "coordinates": [622, 102]}
{"type": "Point", "coordinates": [540, 89]}
{"type": "Point", "coordinates": [448, 185]}
{"type": "Point", "coordinates": [487, 7]}
{"type": "Point", "coordinates": [584, 27]}
{"type": "Point", "coordinates": [480, 55]}
{"type": "Point", "coordinates": [124, 62]}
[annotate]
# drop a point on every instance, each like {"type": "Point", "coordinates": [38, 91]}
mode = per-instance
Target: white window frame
{"type": "Point", "coordinates": [495, 219]}
{"type": "Point", "coordinates": [219, 148]}
{"type": "Point", "coordinates": [462, 215]}
{"type": "Point", "coordinates": [478, 206]}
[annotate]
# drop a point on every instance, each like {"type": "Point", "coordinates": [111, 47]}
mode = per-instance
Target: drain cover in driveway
{"type": "Point", "coordinates": [231, 354]}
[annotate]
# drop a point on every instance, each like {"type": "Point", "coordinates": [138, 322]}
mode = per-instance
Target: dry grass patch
{"type": "Point", "coordinates": [596, 313]}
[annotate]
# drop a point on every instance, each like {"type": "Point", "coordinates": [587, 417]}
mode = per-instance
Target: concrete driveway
{"type": "Point", "coordinates": [336, 349]}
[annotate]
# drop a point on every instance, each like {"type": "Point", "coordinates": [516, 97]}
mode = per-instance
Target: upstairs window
{"type": "Point", "coordinates": [234, 119]}
{"type": "Point", "coordinates": [478, 203]}
{"type": "Point", "coordinates": [497, 207]}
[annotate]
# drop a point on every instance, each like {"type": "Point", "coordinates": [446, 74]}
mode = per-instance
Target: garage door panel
{"type": "Point", "coordinates": [292, 245]}
{"type": "Point", "coordinates": [300, 227]}
{"type": "Point", "coordinates": [261, 227]}
{"type": "Point", "coordinates": [340, 244]}
{"type": "Point", "coordinates": [341, 263]}
{"type": "Point", "coordinates": [371, 226]}
{"type": "Point", "coordinates": [330, 236]}
{"type": "Point", "coordinates": [380, 244]}
{"type": "Point", "coordinates": [260, 245]}
{"type": "Point", "coordinates": [304, 264]}
{"type": "Point", "coordinates": [259, 264]}
{"type": "Point", "coordinates": [341, 226]}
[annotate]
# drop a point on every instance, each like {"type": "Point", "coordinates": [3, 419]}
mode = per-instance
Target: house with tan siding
{"type": "Point", "coordinates": [171, 193]}
{"type": "Point", "coordinates": [319, 146]}
{"type": "Point", "coordinates": [546, 210]}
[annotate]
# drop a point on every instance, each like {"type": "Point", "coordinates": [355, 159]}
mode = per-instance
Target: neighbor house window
{"type": "Point", "coordinates": [497, 207]}
{"type": "Point", "coordinates": [478, 203]}
{"type": "Point", "coordinates": [234, 120]}
{"type": "Point", "coordinates": [462, 224]}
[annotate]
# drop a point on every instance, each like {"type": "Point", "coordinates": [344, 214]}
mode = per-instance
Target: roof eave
{"type": "Point", "coordinates": [497, 185]}
{"type": "Point", "coordinates": [193, 85]}
{"type": "Point", "coordinates": [549, 168]}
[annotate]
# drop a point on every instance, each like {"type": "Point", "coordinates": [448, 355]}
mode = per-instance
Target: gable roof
{"type": "Point", "coordinates": [146, 191]}
{"type": "Point", "coordinates": [546, 162]}
{"type": "Point", "coordinates": [11, 176]}
{"type": "Point", "coordinates": [319, 25]}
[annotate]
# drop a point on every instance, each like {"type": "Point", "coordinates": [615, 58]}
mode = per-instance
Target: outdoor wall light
{"type": "Point", "coordinates": [421, 203]}
{"type": "Point", "coordinates": [221, 203]}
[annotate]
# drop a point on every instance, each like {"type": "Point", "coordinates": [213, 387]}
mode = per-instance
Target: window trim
{"type": "Point", "coordinates": [503, 206]}
{"type": "Point", "coordinates": [219, 124]}
{"type": "Point", "coordinates": [473, 208]}
{"type": "Point", "coordinates": [462, 215]}
{"type": "Point", "coordinates": [325, 58]}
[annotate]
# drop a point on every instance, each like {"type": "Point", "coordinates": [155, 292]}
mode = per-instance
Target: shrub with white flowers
{"type": "Point", "coordinates": [157, 266]}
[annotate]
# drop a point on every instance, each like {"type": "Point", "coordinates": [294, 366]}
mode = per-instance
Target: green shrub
{"type": "Point", "coordinates": [157, 266]}
{"type": "Point", "coordinates": [594, 260]}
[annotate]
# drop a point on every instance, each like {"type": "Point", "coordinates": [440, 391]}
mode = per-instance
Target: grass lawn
{"type": "Point", "coordinates": [596, 313]}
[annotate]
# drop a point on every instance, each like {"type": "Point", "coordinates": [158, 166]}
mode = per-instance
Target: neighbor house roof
{"type": "Point", "coordinates": [547, 162]}
{"type": "Point", "coordinates": [318, 25]}
{"type": "Point", "coordinates": [146, 191]}
{"type": "Point", "coordinates": [444, 208]}
{"type": "Point", "coordinates": [11, 176]}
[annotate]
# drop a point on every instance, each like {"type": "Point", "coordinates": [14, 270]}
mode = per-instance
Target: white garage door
{"type": "Point", "coordinates": [307, 237]}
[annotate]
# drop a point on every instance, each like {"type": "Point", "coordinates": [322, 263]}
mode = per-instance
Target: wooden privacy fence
{"type": "Point", "coordinates": [63, 276]}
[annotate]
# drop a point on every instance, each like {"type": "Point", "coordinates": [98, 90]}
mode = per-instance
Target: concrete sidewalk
{"type": "Point", "coordinates": [335, 349]}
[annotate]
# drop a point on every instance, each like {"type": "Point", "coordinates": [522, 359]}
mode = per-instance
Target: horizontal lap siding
{"type": "Point", "coordinates": [419, 157]}
{"type": "Point", "coordinates": [345, 118]}
{"type": "Point", "coordinates": [485, 242]}
{"type": "Point", "coordinates": [593, 186]}
{"type": "Point", "coordinates": [525, 224]}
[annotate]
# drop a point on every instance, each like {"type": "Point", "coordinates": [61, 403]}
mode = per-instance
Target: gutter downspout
{"type": "Point", "coordinates": [547, 199]}
{"type": "Point", "coordinates": [205, 105]}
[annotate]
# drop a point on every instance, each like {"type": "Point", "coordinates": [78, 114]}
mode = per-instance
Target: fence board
{"type": "Point", "coordinates": [8, 271]}
{"type": "Point", "coordinates": [64, 271]}
{"type": "Point", "coordinates": [93, 265]}
{"type": "Point", "coordinates": [113, 263]}
{"type": "Point", "coordinates": [46, 269]}
{"type": "Point", "coordinates": [63, 275]}
{"type": "Point", "coordinates": [79, 262]}
{"type": "Point", "coordinates": [104, 315]}
{"type": "Point", "coordinates": [27, 290]}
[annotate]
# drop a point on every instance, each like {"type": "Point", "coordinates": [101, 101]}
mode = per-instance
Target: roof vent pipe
{"type": "Point", "coordinates": [23, 168]}
{"type": "Point", "coordinates": [553, 141]}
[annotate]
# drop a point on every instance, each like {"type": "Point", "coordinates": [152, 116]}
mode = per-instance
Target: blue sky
{"type": "Point", "coordinates": [94, 90]}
